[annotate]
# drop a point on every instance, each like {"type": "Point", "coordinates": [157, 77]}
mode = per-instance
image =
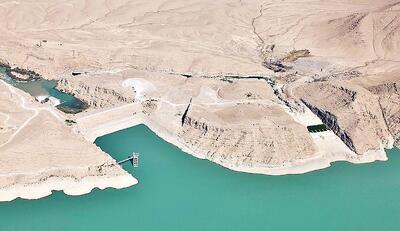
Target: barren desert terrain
{"type": "Point", "coordinates": [233, 81]}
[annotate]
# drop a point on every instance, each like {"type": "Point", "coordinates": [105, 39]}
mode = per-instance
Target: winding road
{"type": "Point", "coordinates": [24, 106]}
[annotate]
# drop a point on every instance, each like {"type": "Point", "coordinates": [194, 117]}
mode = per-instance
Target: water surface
{"type": "Point", "coordinates": [44, 87]}
{"type": "Point", "coordinates": [179, 192]}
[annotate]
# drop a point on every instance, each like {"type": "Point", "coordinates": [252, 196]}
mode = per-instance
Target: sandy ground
{"type": "Point", "coordinates": [39, 153]}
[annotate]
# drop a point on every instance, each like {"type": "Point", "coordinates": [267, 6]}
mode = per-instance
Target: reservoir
{"type": "Point", "coordinates": [179, 192]}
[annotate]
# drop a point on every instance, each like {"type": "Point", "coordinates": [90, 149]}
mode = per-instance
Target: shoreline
{"type": "Point", "coordinates": [323, 159]}
{"type": "Point", "coordinates": [67, 182]}
{"type": "Point", "coordinates": [67, 185]}
{"type": "Point", "coordinates": [324, 140]}
{"type": "Point", "coordinates": [318, 162]}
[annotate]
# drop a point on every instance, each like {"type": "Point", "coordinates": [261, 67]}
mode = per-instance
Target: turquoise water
{"type": "Point", "coordinates": [179, 192]}
{"type": "Point", "coordinates": [43, 87]}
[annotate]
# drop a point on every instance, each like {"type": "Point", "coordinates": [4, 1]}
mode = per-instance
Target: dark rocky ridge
{"type": "Point", "coordinates": [330, 121]}
{"type": "Point", "coordinates": [352, 112]}
{"type": "Point", "coordinates": [31, 75]}
{"type": "Point", "coordinates": [97, 97]}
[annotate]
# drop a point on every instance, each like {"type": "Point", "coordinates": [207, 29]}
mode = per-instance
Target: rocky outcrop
{"type": "Point", "coordinates": [201, 125]}
{"type": "Point", "coordinates": [266, 142]}
{"type": "Point", "coordinates": [352, 112]}
{"type": "Point", "coordinates": [389, 101]}
{"type": "Point", "coordinates": [330, 121]}
{"type": "Point", "coordinates": [19, 74]}
{"type": "Point", "coordinates": [97, 96]}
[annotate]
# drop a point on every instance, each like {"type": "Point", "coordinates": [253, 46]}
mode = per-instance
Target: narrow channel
{"type": "Point", "coordinates": [45, 90]}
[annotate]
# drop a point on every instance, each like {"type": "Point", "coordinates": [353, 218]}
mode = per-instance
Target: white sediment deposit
{"type": "Point", "coordinates": [234, 82]}
{"type": "Point", "coordinates": [140, 86]}
{"type": "Point", "coordinates": [70, 186]}
{"type": "Point", "coordinates": [42, 98]}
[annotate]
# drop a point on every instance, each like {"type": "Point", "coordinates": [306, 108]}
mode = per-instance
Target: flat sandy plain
{"type": "Point", "coordinates": [235, 82]}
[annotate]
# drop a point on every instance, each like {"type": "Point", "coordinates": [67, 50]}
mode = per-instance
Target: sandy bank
{"type": "Point", "coordinates": [68, 185]}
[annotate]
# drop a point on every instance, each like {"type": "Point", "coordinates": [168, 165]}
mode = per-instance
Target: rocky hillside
{"type": "Point", "coordinates": [265, 140]}
{"type": "Point", "coordinates": [389, 101]}
{"type": "Point", "coordinates": [96, 96]}
{"type": "Point", "coordinates": [352, 112]}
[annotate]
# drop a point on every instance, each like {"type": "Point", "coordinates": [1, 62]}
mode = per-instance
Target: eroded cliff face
{"type": "Point", "coordinates": [331, 121]}
{"type": "Point", "coordinates": [96, 96]}
{"type": "Point", "coordinates": [236, 124]}
{"type": "Point", "coordinates": [260, 143]}
{"type": "Point", "coordinates": [389, 101]}
{"type": "Point", "coordinates": [352, 112]}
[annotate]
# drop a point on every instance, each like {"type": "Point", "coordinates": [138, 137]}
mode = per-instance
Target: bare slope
{"type": "Point", "coordinates": [39, 153]}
